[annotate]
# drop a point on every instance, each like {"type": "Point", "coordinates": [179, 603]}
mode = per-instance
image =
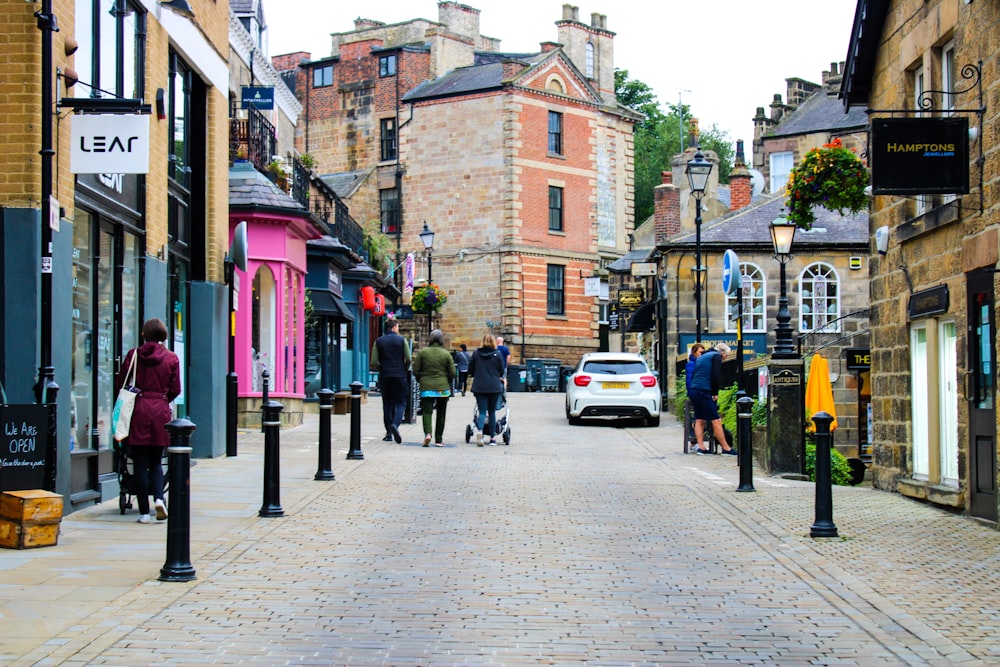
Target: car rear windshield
{"type": "Point", "coordinates": [615, 367]}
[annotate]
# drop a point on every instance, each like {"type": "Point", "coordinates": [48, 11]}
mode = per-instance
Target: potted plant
{"type": "Point", "coordinates": [428, 298]}
{"type": "Point", "coordinates": [832, 177]}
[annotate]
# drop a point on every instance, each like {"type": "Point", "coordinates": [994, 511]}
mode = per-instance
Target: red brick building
{"type": "Point", "coordinates": [520, 163]}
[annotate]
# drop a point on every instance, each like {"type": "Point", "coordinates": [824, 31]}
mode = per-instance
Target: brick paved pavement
{"type": "Point", "coordinates": [574, 546]}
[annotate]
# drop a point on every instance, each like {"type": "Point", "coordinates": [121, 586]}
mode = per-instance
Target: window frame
{"type": "Point", "coordinates": [388, 141]}
{"type": "Point", "coordinates": [751, 275]}
{"type": "Point", "coordinates": [555, 289]}
{"type": "Point", "coordinates": [556, 210]}
{"type": "Point", "coordinates": [555, 130]}
{"type": "Point", "coordinates": [809, 277]}
{"type": "Point", "coordinates": [387, 65]}
{"type": "Point", "coordinates": [93, 63]}
{"type": "Point", "coordinates": [325, 75]}
{"type": "Point", "coordinates": [778, 182]}
{"type": "Point", "coordinates": [389, 211]}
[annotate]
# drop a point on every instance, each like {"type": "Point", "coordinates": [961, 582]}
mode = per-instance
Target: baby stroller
{"type": "Point", "coordinates": [127, 486]}
{"type": "Point", "coordinates": [503, 421]}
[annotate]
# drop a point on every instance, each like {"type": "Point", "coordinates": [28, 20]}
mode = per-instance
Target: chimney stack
{"type": "Point", "coordinates": [666, 209]}
{"type": "Point", "coordinates": [740, 186]}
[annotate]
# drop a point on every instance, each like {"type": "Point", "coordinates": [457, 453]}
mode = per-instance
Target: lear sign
{"type": "Point", "coordinates": [110, 144]}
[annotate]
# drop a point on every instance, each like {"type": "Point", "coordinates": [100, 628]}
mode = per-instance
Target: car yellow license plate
{"type": "Point", "coordinates": [614, 385]}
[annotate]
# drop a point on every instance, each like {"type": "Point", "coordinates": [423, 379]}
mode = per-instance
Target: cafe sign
{"type": "Point", "coordinates": [630, 299]}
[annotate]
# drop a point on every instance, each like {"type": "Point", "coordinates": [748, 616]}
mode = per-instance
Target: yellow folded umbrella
{"type": "Point", "coordinates": [819, 392]}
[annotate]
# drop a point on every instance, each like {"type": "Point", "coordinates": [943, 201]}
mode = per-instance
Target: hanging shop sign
{"type": "Point", "coordinates": [933, 301]}
{"type": "Point", "coordinates": [858, 359]}
{"type": "Point", "coordinates": [920, 156]}
{"type": "Point", "coordinates": [258, 97]}
{"type": "Point", "coordinates": [109, 144]}
{"type": "Point", "coordinates": [630, 299]}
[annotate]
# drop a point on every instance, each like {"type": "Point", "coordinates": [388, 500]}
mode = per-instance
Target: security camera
{"type": "Point", "coordinates": [882, 239]}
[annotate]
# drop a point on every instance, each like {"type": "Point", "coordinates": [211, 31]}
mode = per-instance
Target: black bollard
{"type": "Point", "coordinates": [265, 379]}
{"type": "Point", "coordinates": [744, 434]}
{"type": "Point", "coordinates": [271, 422]}
{"type": "Point", "coordinates": [355, 452]}
{"type": "Point", "coordinates": [178, 564]}
{"type": "Point", "coordinates": [823, 526]}
{"type": "Point", "coordinates": [323, 470]}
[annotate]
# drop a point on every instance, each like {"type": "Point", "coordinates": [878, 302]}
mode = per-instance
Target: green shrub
{"type": "Point", "coordinates": [840, 471]}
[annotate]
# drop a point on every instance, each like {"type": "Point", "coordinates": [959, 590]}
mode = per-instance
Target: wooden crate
{"type": "Point", "coordinates": [14, 535]}
{"type": "Point", "coordinates": [29, 518]}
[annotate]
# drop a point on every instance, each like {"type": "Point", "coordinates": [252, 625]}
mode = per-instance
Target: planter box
{"type": "Point", "coordinates": [29, 519]}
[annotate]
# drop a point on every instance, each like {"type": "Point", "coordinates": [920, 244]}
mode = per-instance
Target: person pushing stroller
{"type": "Point", "coordinates": [488, 383]}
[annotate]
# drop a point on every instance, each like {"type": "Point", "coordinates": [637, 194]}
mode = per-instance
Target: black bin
{"type": "Point", "coordinates": [517, 379]}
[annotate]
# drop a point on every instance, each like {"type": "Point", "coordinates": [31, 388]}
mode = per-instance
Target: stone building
{"type": "Point", "coordinates": [125, 247]}
{"type": "Point", "coordinates": [519, 163]}
{"type": "Point", "coordinates": [933, 281]}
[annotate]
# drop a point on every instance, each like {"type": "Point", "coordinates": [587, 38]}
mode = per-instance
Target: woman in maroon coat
{"type": "Point", "coordinates": [157, 377]}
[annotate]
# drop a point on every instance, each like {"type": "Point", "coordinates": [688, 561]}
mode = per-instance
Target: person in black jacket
{"type": "Point", "coordinates": [488, 382]}
{"type": "Point", "coordinates": [391, 358]}
{"type": "Point", "coordinates": [706, 381]}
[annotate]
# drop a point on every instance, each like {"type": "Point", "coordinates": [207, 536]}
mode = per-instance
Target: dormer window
{"type": "Point", "coordinates": [387, 65]}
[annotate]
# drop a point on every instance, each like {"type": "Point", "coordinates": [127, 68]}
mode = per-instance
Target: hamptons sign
{"type": "Point", "coordinates": [110, 144]}
{"type": "Point", "coordinates": [920, 156]}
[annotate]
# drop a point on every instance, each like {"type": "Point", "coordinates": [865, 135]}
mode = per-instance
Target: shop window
{"type": "Point", "coordinates": [919, 403]}
{"type": "Point", "coordinates": [948, 397]}
{"type": "Point", "coordinates": [264, 321]}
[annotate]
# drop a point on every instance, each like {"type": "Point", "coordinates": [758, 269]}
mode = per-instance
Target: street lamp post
{"type": "Point", "coordinates": [698, 171]}
{"type": "Point", "coordinates": [427, 238]}
{"type": "Point", "coordinates": [782, 235]}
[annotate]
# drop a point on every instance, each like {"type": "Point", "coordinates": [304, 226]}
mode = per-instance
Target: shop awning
{"type": "Point", "coordinates": [644, 318]}
{"type": "Point", "coordinates": [328, 304]}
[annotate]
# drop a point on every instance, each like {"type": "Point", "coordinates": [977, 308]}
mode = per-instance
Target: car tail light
{"type": "Point", "coordinates": [581, 380]}
{"type": "Point", "coordinates": [648, 381]}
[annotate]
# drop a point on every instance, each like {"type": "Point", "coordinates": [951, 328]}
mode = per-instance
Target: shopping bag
{"type": "Point", "coordinates": [121, 416]}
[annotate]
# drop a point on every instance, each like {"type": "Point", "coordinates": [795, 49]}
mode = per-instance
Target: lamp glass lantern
{"type": "Point", "coordinates": [782, 235]}
{"type": "Point", "coordinates": [698, 171]}
{"type": "Point", "coordinates": [427, 237]}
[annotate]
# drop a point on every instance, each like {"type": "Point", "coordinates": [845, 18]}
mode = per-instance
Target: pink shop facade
{"type": "Point", "coordinates": [270, 314]}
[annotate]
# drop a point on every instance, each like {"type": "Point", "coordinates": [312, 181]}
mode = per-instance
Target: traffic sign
{"type": "Point", "coordinates": [730, 273]}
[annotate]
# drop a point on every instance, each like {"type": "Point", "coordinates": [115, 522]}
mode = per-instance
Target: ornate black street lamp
{"type": "Point", "coordinates": [427, 238]}
{"type": "Point", "coordinates": [782, 235]}
{"type": "Point", "coordinates": [698, 171]}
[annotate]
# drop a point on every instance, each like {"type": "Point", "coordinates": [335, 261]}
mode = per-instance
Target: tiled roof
{"type": "Point", "coordinates": [345, 183]}
{"type": "Point", "coordinates": [751, 226]}
{"type": "Point", "coordinates": [820, 112]}
{"type": "Point", "coordinates": [458, 81]}
{"type": "Point", "coordinates": [248, 187]}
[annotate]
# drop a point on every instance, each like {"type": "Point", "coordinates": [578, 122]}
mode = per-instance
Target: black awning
{"type": "Point", "coordinates": [644, 319]}
{"type": "Point", "coordinates": [328, 304]}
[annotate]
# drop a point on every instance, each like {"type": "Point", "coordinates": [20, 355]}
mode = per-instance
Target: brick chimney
{"type": "Point", "coordinates": [666, 209]}
{"type": "Point", "coordinates": [740, 187]}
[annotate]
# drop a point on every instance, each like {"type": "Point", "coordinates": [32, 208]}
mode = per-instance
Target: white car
{"type": "Point", "coordinates": [613, 385]}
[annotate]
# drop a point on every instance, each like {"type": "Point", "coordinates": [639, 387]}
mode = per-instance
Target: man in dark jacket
{"type": "Point", "coordinates": [391, 358]}
{"type": "Point", "coordinates": [706, 381]}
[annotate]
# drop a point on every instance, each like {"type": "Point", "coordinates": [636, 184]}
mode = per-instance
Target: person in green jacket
{"type": "Point", "coordinates": [434, 369]}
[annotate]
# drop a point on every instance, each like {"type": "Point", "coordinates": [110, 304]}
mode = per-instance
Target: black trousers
{"type": "Point", "coordinates": [393, 400]}
{"type": "Point", "coordinates": [147, 469]}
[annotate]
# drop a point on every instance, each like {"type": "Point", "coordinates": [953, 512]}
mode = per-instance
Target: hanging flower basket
{"type": "Point", "coordinates": [832, 177]}
{"type": "Point", "coordinates": [428, 298]}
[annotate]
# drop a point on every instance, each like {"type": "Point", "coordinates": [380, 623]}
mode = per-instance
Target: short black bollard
{"type": "Point", "coordinates": [271, 422]}
{"type": "Point", "coordinates": [355, 452]}
{"type": "Point", "coordinates": [823, 526]}
{"type": "Point", "coordinates": [178, 564]}
{"type": "Point", "coordinates": [744, 434]}
{"type": "Point", "coordinates": [265, 379]}
{"type": "Point", "coordinates": [323, 470]}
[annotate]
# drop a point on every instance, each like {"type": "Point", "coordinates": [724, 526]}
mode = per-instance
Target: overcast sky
{"type": "Point", "coordinates": [724, 58]}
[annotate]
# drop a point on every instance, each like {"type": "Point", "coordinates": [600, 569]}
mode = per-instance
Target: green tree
{"type": "Point", "coordinates": [658, 139]}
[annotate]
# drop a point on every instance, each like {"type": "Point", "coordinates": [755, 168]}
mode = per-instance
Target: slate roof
{"type": "Point", "coordinates": [820, 112]}
{"type": "Point", "coordinates": [458, 81]}
{"type": "Point", "coordinates": [249, 188]}
{"type": "Point", "coordinates": [624, 263]}
{"type": "Point", "coordinates": [750, 226]}
{"type": "Point", "coordinates": [345, 183]}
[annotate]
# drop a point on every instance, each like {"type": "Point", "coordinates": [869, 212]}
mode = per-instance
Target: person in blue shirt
{"type": "Point", "coordinates": [696, 351]}
{"type": "Point", "coordinates": [706, 381]}
{"type": "Point", "coordinates": [503, 350]}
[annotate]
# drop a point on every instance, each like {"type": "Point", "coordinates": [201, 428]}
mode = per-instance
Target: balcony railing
{"type": "Point", "coordinates": [252, 138]}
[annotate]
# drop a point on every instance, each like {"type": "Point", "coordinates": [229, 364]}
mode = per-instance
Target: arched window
{"type": "Point", "coordinates": [555, 84]}
{"type": "Point", "coordinates": [819, 298]}
{"type": "Point", "coordinates": [590, 60]}
{"type": "Point", "coordinates": [754, 311]}
{"type": "Point", "coordinates": [264, 323]}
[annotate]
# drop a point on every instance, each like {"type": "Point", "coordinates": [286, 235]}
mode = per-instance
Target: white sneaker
{"type": "Point", "coordinates": [143, 518]}
{"type": "Point", "coordinates": [479, 439]}
{"type": "Point", "coordinates": [161, 509]}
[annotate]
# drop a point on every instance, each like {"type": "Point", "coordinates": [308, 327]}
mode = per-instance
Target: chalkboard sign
{"type": "Point", "coordinates": [24, 441]}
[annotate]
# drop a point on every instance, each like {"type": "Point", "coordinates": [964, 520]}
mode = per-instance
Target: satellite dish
{"type": "Point", "coordinates": [238, 248]}
{"type": "Point", "coordinates": [756, 182]}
